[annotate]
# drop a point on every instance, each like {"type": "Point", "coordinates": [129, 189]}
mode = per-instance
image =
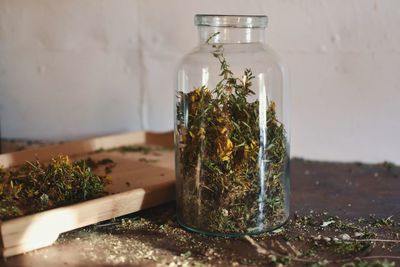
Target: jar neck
{"type": "Point", "coordinates": [231, 35]}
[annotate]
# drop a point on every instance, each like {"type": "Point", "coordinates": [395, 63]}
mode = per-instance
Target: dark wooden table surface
{"type": "Point", "coordinates": [152, 237]}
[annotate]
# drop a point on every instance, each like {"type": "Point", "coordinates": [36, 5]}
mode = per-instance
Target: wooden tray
{"type": "Point", "coordinates": [139, 181]}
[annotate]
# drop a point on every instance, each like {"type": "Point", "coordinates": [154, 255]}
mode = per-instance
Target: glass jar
{"type": "Point", "coordinates": [231, 130]}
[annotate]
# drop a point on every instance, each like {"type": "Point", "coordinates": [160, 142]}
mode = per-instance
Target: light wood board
{"type": "Point", "coordinates": [139, 181]}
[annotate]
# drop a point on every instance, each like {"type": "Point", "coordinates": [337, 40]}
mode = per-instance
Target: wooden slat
{"type": "Point", "coordinates": [71, 148]}
{"type": "Point", "coordinates": [161, 139]}
{"type": "Point", "coordinates": [136, 185]}
{"type": "Point", "coordinates": [42, 229]}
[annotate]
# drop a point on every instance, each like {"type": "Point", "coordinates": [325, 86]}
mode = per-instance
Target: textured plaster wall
{"type": "Point", "coordinates": [68, 69]}
{"type": "Point", "coordinates": [74, 68]}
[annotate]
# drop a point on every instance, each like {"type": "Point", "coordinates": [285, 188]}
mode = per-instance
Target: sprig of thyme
{"type": "Point", "coordinates": [219, 153]}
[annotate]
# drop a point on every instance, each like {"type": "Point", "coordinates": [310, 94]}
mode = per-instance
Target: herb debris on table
{"type": "Point", "coordinates": [153, 236]}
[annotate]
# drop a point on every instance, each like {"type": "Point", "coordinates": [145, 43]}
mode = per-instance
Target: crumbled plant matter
{"type": "Point", "coordinates": [155, 232]}
{"type": "Point", "coordinates": [229, 179]}
{"type": "Point", "coordinates": [35, 186]}
{"type": "Point", "coordinates": [318, 239]}
{"type": "Point", "coordinates": [387, 165]}
{"type": "Point", "coordinates": [377, 263]}
{"type": "Point", "coordinates": [148, 160]}
{"type": "Point", "coordinates": [145, 150]}
{"type": "Point", "coordinates": [11, 145]}
{"type": "Point", "coordinates": [391, 168]}
{"type": "Point", "coordinates": [127, 149]}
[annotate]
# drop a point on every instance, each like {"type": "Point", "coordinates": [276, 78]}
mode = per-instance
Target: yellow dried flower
{"type": "Point", "coordinates": [201, 133]}
{"type": "Point", "coordinates": [195, 95]}
{"type": "Point", "coordinates": [225, 149]}
{"type": "Point", "coordinates": [223, 130]}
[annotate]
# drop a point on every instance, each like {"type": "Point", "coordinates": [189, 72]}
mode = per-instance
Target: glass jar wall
{"type": "Point", "coordinates": [231, 130]}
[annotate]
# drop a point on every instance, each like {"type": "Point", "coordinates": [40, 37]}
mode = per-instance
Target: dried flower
{"type": "Point", "coordinates": [35, 186]}
{"type": "Point", "coordinates": [219, 155]}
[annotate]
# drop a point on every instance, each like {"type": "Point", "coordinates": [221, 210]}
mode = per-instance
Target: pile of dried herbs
{"type": "Point", "coordinates": [230, 180]}
{"type": "Point", "coordinates": [35, 187]}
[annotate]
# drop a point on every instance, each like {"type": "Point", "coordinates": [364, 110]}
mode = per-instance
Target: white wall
{"type": "Point", "coordinates": [73, 68]}
{"type": "Point", "coordinates": [68, 68]}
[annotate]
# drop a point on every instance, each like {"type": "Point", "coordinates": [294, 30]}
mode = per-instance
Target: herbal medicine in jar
{"type": "Point", "coordinates": [231, 130]}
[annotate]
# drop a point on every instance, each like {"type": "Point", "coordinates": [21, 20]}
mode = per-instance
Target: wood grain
{"type": "Point", "coordinates": [139, 181]}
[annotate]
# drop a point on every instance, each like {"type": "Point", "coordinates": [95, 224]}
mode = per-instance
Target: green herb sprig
{"type": "Point", "coordinates": [35, 186]}
{"type": "Point", "coordinates": [220, 156]}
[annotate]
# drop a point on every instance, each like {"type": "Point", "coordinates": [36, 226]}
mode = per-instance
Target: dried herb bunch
{"type": "Point", "coordinates": [35, 187]}
{"type": "Point", "coordinates": [230, 172]}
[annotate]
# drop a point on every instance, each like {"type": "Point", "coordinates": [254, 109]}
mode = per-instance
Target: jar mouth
{"type": "Point", "coordinates": [234, 21]}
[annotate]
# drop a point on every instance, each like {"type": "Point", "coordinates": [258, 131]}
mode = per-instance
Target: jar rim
{"type": "Point", "coordinates": [234, 21]}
